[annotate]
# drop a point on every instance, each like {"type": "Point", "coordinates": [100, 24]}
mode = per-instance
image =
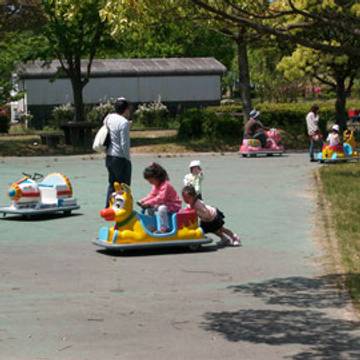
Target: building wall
{"type": "Point", "coordinates": [142, 89]}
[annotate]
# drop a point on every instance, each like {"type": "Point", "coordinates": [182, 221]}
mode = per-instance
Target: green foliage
{"type": "Point", "coordinates": [170, 38]}
{"type": "Point", "coordinates": [25, 119]}
{"type": "Point", "coordinates": [97, 114]}
{"type": "Point", "coordinates": [154, 114]}
{"type": "Point", "coordinates": [61, 114]}
{"type": "Point", "coordinates": [15, 47]}
{"type": "Point", "coordinates": [195, 124]}
{"type": "Point", "coordinates": [269, 83]}
{"type": "Point", "coordinates": [74, 32]}
{"type": "Point", "coordinates": [224, 126]}
{"type": "Point", "coordinates": [191, 124]}
{"type": "Point", "coordinates": [336, 72]}
{"type": "Point", "coordinates": [225, 121]}
{"type": "Point", "coordinates": [4, 120]}
{"type": "Point", "coordinates": [226, 108]}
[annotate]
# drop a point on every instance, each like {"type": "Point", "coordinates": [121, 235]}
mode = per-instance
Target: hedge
{"type": "Point", "coordinates": [196, 124]}
{"type": "Point", "coordinates": [224, 122]}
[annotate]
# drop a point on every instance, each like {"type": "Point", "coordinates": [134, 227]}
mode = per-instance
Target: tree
{"type": "Point", "coordinates": [336, 72]}
{"type": "Point", "coordinates": [269, 82]}
{"type": "Point", "coordinates": [185, 13]}
{"type": "Point", "coordinates": [74, 31]}
{"type": "Point", "coordinates": [15, 47]}
{"type": "Point", "coordinates": [20, 22]}
{"type": "Point", "coordinates": [240, 36]}
{"type": "Point", "coordinates": [18, 15]}
{"type": "Point", "coordinates": [169, 39]}
{"type": "Point", "coordinates": [331, 26]}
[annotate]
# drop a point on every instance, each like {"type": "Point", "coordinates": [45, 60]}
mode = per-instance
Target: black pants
{"type": "Point", "coordinates": [260, 135]}
{"type": "Point", "coordinates": [119, 170]}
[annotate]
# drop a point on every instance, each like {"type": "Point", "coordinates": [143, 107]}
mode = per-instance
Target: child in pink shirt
{"type": "Point", "coordinates": [211, 219]}
{"type": "Point", "coordinates": [162, 197]}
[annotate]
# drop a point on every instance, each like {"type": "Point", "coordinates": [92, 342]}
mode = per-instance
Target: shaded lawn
{"type": "Point", "coordinates": [30, 145]}
{"type": "Point", "coordinates": [342, 189]}
{"type": "Point", "coordinates": [145, 141]}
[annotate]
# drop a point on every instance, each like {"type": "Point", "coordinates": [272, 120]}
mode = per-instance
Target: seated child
{"type": "Point", "coordinates": [333, 137]}
{"type": "Point", "coordinates": [162, 197]}
{"type": "Point", "coordinates": [211, 219]}
{"type": "Point", "coordinates": [195, 177]}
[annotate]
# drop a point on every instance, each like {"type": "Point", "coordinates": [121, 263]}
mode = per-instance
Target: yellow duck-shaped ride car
{"type": "Point", "coordinates": [133, 228]}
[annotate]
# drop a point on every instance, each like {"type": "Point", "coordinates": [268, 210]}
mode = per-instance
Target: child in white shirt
{"type": "Point", "coordinates": [333, 138]}
{"type": "Point", "coordinates": [195, 177]}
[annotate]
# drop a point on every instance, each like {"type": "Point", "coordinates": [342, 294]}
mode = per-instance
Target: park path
{"type": "Point", "coordinates": [60, 298]}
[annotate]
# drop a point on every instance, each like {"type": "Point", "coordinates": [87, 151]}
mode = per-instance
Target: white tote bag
{"type": "Point", "coordinates": [102, 139]}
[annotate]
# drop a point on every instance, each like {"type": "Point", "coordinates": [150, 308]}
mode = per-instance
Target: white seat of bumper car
{"type": "Point", "coordinates": [48, 195]}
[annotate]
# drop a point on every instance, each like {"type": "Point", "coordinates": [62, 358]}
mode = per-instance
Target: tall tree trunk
{"type": "Point", "coordinates": [77, 87]}
{"type": "Point", "coordinates": [340, 104]}
{"type": "Point", "coordinates": [244, 75]}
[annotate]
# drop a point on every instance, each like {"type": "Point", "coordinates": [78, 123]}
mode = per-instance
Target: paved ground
{"type": "Point", "coordinates": [60, 298]}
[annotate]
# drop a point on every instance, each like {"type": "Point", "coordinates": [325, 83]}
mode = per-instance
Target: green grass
{"type": "Point", "coordinates": [341, 185]}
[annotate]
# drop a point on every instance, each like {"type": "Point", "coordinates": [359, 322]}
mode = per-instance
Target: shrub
{"type": "Point", "coordinates": [291, 117]}
{"type": "Point", "coordinates": [224, 126]}
{"type": "Point", "coordinates": [224, 121]}
{"type": "Point", "coordinates": [226, 108]}
{"type": "Point", "coordinates": [97, 114]}
{"type": "Point", "coordinates": [62, 114]}
{"type": "Point", "coordinates": [4, 120]}
{"type": "Point", "coordinates": [25, 119]}
{"type": "Point", "coordinates": [195, 124]}
{"type": "Point", "coordinates": [191, 124]}
{"type": "Point", "coordinates": [154, 114]}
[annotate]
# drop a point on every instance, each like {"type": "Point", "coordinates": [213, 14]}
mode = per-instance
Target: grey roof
{"type": "Point", "coordinates": [129, 67]}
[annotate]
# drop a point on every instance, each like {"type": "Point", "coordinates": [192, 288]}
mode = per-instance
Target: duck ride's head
{"type": "Point", "coordinates": [120, 204]}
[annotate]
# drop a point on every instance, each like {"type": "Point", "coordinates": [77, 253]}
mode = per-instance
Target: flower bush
{"type": "Point", "coordinates": [62, 114]}
{"type": "Point", "coordinates": [25, 119]}
{"type": "Point", "coordinates": [97, 114]}
{"type": "Point", "coordinates": [154, 114]}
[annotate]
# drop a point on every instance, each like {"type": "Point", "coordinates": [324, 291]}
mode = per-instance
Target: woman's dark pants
{"type": "Point", "coordinates": [313, 145]}
{"type": "Point", "coordinates": [119, 170]}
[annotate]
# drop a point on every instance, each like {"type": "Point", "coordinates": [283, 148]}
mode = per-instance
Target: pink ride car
{"type": "Point", "coordinates": [252, 147]}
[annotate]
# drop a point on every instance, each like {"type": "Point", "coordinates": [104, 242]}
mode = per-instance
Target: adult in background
{"type": "Point", "coordinates": [254, 129]}
{"type": "Point", "coordinates": [117, 160]}
{"type": "Point", "coordinates": [312, 123]}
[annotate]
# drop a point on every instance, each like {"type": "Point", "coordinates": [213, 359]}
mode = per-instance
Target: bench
{"type": "Point", "coordinates": [79, 134]}
{"type": "Point", "coordinates": [52, 140]}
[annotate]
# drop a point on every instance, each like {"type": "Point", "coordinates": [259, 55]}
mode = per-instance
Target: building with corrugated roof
{"type": "Point", "coordinates": [176, 81]}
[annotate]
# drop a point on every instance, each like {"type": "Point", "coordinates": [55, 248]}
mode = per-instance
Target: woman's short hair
{"type": "Point", "coordinates": [315, 108]}
{"type": "Point", "coordinates": [121, 104]}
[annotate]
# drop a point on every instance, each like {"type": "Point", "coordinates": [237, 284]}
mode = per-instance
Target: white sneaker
{"type": "Point", "coordinates": [236, 241]}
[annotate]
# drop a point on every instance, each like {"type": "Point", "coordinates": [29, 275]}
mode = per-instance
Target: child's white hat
{"type": "Point", "coordinates": [254, 113]}
{"type": "Point", "coordinates": [195, 163]}
{"type": "Point", "coordinates": [336, 127]}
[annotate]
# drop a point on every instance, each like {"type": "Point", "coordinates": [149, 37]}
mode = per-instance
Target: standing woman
{"type": "Point", "coordinates": [312, 123]}
{"type": "Point", "coordinates": [118, 161]}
